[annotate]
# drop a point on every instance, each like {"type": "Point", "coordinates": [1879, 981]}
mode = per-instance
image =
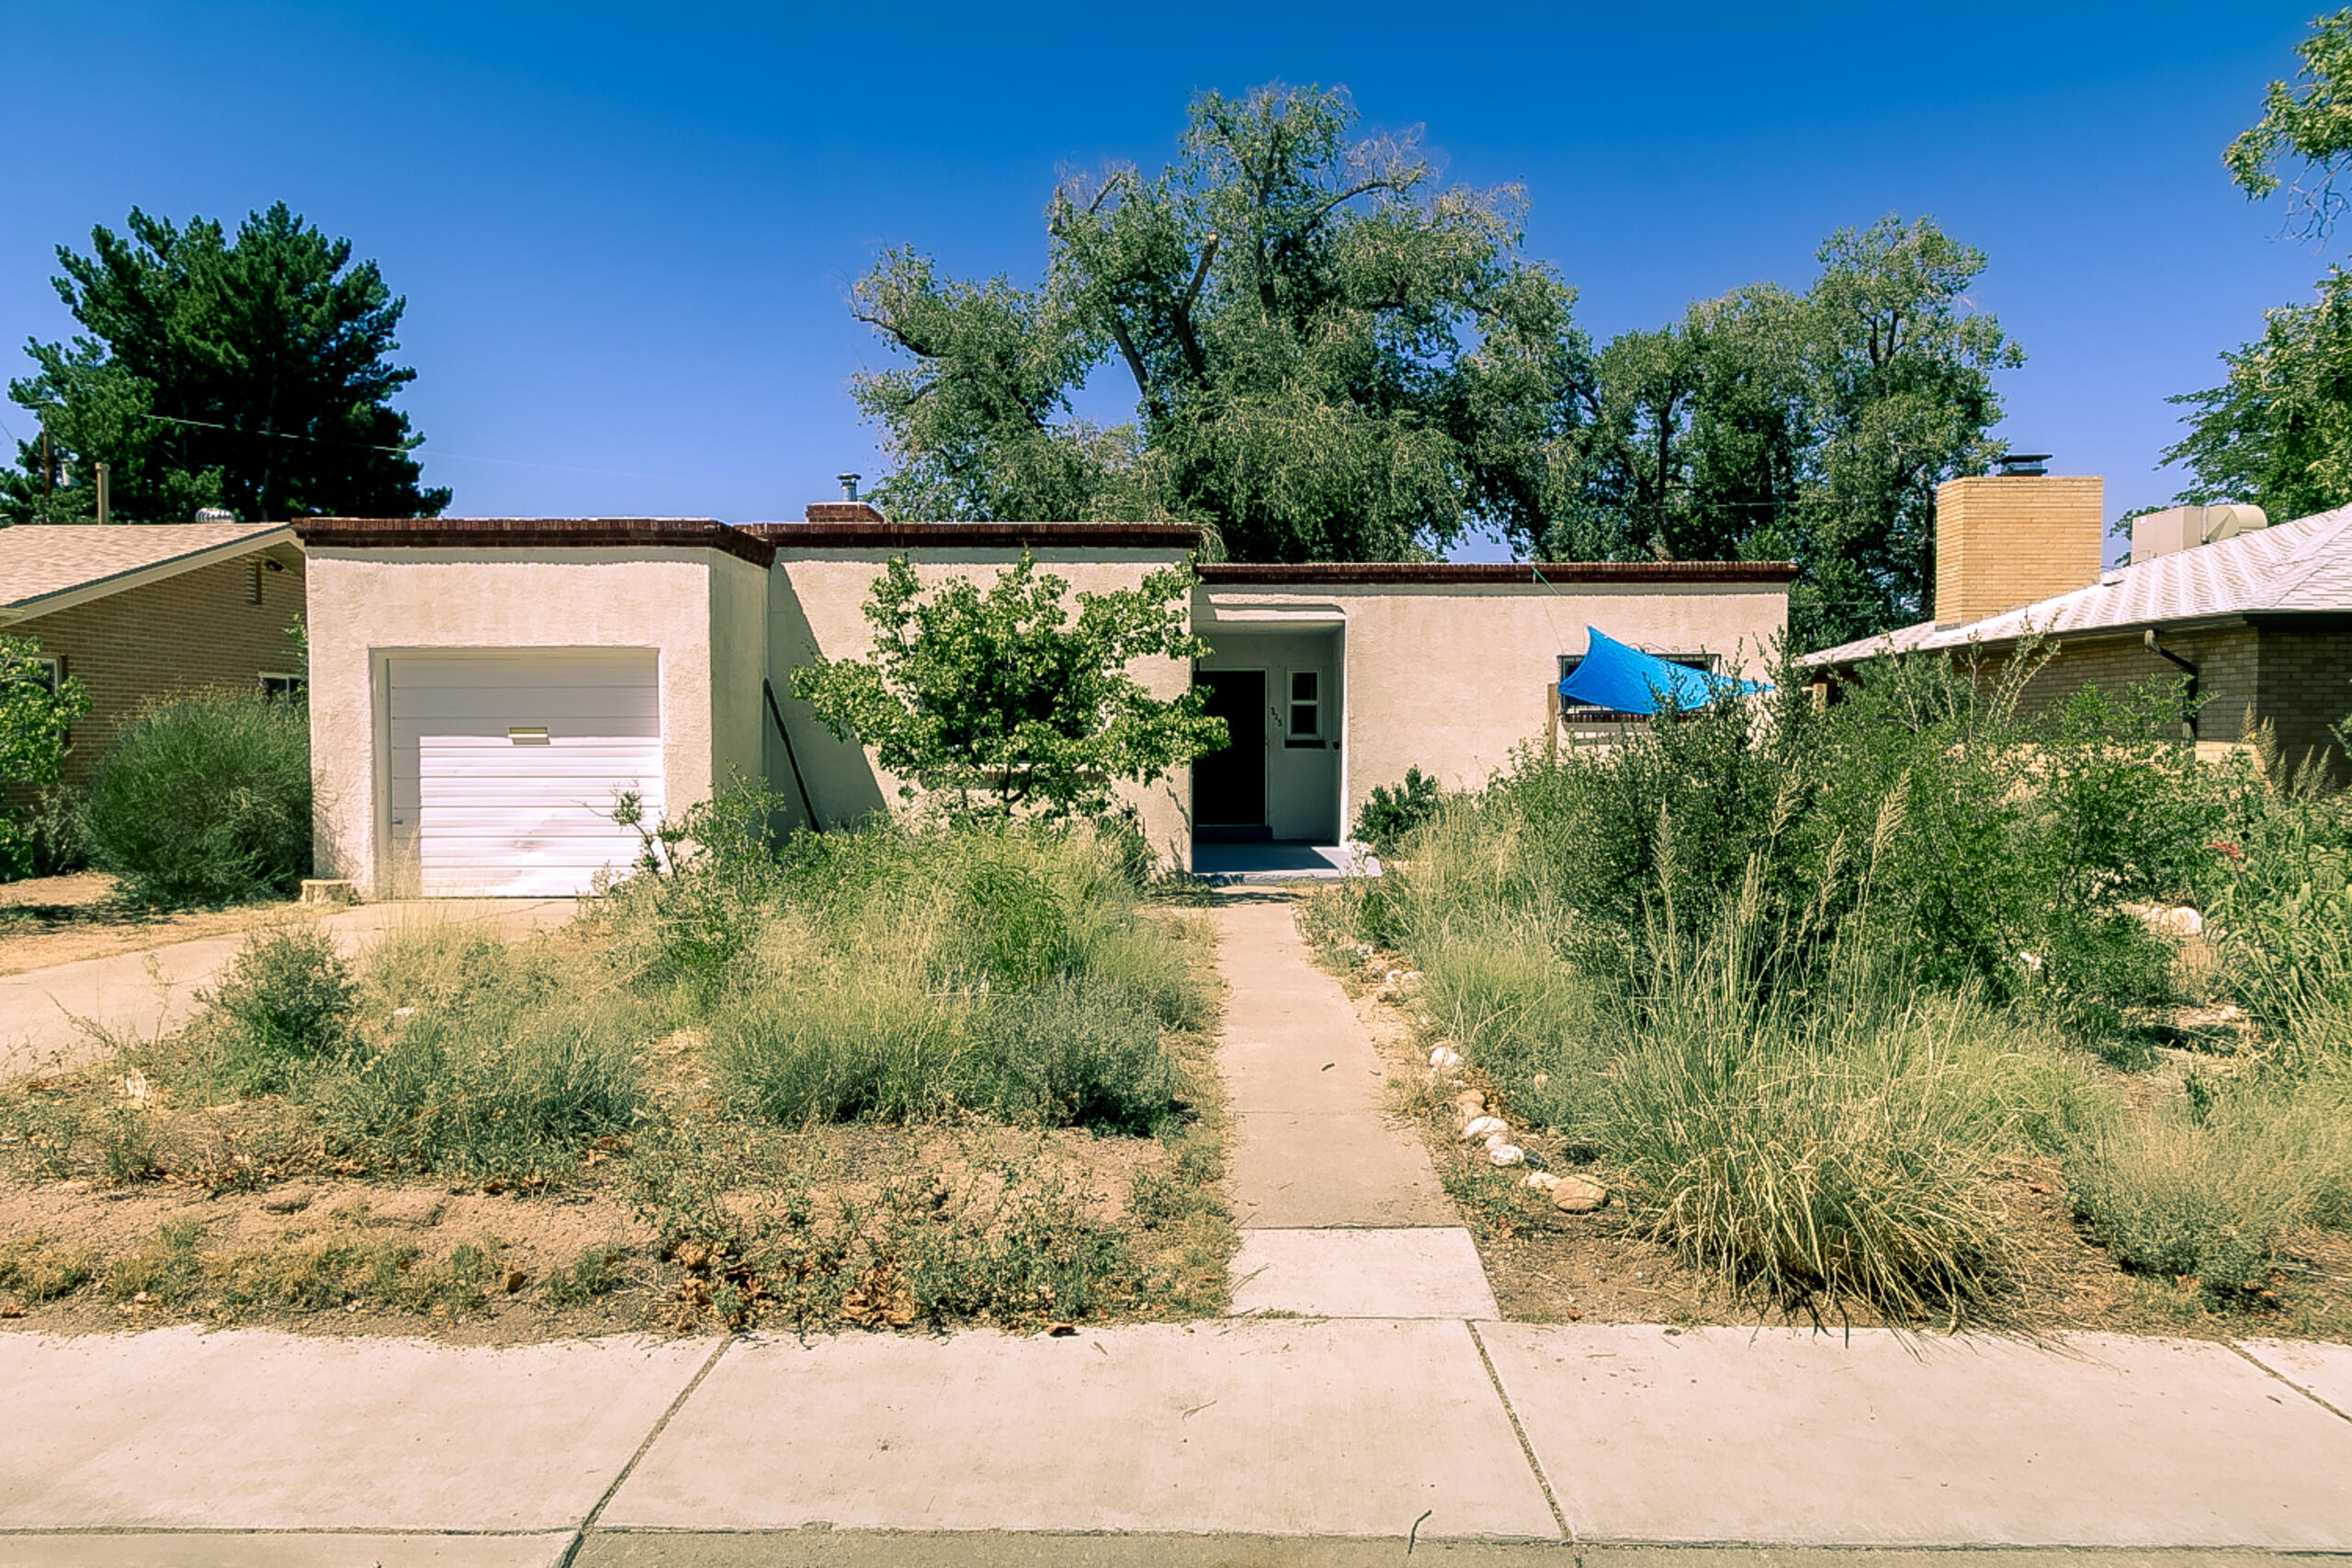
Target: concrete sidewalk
{"type": "Point", "coordinates": [1237, 1443]}
{"type": "Point", "coordinates": [47, 1016]}
{"type": "Point", "coordinates": [1341, 1210]}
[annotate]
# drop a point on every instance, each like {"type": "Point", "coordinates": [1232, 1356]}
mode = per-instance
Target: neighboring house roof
{"type": "Point", "coordinates": [45, 568]}
{"type": "Point", "coordinates": [2302, 567]}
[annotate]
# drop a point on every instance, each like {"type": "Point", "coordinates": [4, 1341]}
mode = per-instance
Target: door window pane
{"type": "Point", "coordinates": [1306, 703]}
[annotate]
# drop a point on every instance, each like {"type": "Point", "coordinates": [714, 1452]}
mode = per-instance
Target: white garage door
{"type": "Point", "coordinates": [506, 766]}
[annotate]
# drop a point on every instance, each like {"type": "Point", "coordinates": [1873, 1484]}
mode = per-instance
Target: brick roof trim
{"type": "Point", "coordinates": [1553, 574]}
{"type": "Point", "coordinates": [47, 567]}
{"type": "Point", "coordinates": [532, 533]}
{"type": "Point", "coordinates": [2303, 566]}
{"type": "Point", "coordinates": [839, 534]}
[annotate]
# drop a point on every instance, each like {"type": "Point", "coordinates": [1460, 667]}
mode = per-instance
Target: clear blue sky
{"type": "Point", "coordinates": [627, 235]}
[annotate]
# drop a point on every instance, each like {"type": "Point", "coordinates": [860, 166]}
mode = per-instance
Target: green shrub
{"type": "Point", "coordinates": [701, 886]}
{"type": "Point", "coordinates": [205, 800]}
{"type": "Point", "coordinates": [286, 1000]}
{"type": "Point", "coordinates": [1388, 815]}
{"type": "Point", "coordinates": [447, 1050]}
{"type": "Point", "coordinates": [481, 1056]}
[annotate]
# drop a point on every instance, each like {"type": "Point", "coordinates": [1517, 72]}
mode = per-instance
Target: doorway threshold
{"type": "Point", "coordinates": [1281, 860]}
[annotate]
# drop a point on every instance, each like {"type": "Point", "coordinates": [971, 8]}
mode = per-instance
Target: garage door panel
{"type": "Point", "coordinates": [550, 667]}
{"type": "Point", "coordinates": [477, 812]}
{"type": "Point", "coordinates": [640, 704]}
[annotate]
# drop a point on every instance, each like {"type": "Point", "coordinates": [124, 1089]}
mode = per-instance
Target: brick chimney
{"type": "Point", "coordinates": [844, 512]}
{"type": "Point", "coordinates": [2009, 539]}
{"type": "Point", "coordinates": [848, 509]}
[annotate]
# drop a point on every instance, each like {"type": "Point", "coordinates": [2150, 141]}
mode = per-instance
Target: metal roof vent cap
{"type": "Point", "coordinates": [215, 514]}
{"type": "Point", "coordinates": [2021, 465]}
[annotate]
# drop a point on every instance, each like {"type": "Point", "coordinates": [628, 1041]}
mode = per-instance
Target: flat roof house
{"type": "Point", "coordinates": [137, 610]}
{"type": "Point", "coordinates": [2257, 616]}
{"type": "Point", "coordinates": [483, 689]}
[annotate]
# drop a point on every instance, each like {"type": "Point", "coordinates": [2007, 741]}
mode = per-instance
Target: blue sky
{"type": "Point", "coordinates": [627, 234]}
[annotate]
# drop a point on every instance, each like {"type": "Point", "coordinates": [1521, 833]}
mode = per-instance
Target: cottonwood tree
{"type": "Point", "coordinates": [1001, 703]}
{"type": "Point", "coordinates": [1812, 427]}
{"type": "Point", "coordinates": [1333, 355]}
{"type": "Point", "coordinates": [2278, 431]}
{"type": "Point", "coordinates": [247, 372]}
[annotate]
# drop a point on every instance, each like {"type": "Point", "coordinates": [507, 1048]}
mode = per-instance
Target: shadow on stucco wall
{"type": "Point", "coordinates": [842, 787]}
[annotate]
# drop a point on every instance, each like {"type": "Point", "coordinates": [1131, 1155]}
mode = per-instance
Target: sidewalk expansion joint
{"type": "Point", "coordinates": [1551, 1500]}
{"type": "Point", "coordinates": [2277, 1376]}
{"type": "Point", "coordinates": [579, 1536]}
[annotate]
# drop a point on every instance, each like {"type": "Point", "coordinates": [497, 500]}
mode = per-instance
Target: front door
{"type": "Point", "coordinates": [1230, 786]}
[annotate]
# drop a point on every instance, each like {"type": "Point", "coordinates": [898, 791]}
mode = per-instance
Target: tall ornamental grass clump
{"type": "Point", "coordinates": [910, 973]}
{"type": "Point", "coordinates": [205, 800]}
{"type": "Point", "coordinates": [1794, 973]}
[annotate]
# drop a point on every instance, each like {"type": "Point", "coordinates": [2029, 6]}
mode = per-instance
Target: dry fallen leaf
{"type": "Point", "coordinates": [12, 1308]}
{"type": "Point", "coordinates": [1060, 1330]}
{"type": "Point", "coordinates": [513, 1281]}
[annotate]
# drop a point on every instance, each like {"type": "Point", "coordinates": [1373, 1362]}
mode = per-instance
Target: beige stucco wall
{"type": "Point", "coordinates": [364, 604]}
{"type": "Point", "coordinates": [738, 658]}
{"type": "Point", "coordinates": [816, 600]}
{"type": "Point", "coordinates": [1451, 678]}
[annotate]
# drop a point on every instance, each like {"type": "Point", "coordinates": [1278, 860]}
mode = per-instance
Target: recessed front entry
{"type": "Point", "coordinates": [1230, 786]}
{"type": "Point", "coordinates": [505, 767]}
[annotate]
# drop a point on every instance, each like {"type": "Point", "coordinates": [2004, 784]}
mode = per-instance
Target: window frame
{"type": "Point", "coordinates": [291, 685]}
{"type": "Point", "coordinates": [1293, 703]}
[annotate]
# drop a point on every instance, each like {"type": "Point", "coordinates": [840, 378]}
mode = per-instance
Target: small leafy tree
{"type": "Point", "coordinates": [1000, 699]}
{"type": "Point", "coordinates": [35, 713]}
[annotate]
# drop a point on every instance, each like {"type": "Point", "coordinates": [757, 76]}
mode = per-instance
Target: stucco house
{"type": "Point", "coordinates": [2255, 617]}
{"type": "Point", "coordinates": [141, 609]}
{"type": "Point", "coordinates": [481, 689]}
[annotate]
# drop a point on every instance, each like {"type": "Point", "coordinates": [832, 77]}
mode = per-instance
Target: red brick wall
{"type": "Point", "coordinates": [183, 633]}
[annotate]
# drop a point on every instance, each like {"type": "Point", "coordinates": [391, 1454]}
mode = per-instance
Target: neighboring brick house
{"type": "Point", "coordinates": [137, 611]}
{"type": "Point", "coordinates": [2258, 618]}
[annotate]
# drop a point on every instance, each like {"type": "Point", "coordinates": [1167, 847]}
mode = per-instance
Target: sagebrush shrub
{"type": "Point", "coordinates": [205, 800]}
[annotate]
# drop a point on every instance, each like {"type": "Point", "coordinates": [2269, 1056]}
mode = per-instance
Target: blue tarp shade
{"type": "Point", "coordinates": [1626, 680]}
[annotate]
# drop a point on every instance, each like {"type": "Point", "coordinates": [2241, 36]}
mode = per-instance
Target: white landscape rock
{"type": "Point", "coordinates": [1541, 1180]}
{"type": "Point", "coordinates": [1445, 1058]}
{"type": "Point", "coordinates": [1506, 1154]}
{"type": "Point", "coordinates": [1579, 1195]}
{"type": "Point", "coordinates": [1480, 1128]}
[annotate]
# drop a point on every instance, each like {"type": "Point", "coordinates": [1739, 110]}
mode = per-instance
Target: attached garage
{"type": "Point", "coordinates": [505, 766]}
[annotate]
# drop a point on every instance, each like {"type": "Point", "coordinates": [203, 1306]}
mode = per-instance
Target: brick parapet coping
{"type": "Point", "coordinates": [757, 543]}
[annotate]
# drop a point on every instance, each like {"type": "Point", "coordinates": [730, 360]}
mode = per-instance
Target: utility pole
{"type": "Point", "coordinates": [103, 497]}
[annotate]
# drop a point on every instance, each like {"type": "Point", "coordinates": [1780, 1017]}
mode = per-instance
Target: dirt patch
{"type": "Point", "coordinates": [48, 920]}
{"type": "Point", "coordinates": [119, 1210]}
{"type": "Point", "coordinates": [1549, 1266]}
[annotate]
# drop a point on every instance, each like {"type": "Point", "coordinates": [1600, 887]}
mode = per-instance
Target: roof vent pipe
{"type": "Point", "coordinates": [2021, 465]}
{"type": "Point", "coordinates": [849, 485]}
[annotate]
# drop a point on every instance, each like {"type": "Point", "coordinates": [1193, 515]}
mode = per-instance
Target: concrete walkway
{"type": "Point", "coordinates": [51, 1018]}
{"type": "Point", "coordinates": [1341, 1210]}
{"type": "Point", "coordinates": [1235, 1442]}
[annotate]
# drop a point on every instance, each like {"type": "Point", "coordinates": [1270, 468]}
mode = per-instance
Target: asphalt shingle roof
{"type": "Point", "coordinates": [39, 560]}
{"type": "Point", "coordinates": [2303, 565]}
